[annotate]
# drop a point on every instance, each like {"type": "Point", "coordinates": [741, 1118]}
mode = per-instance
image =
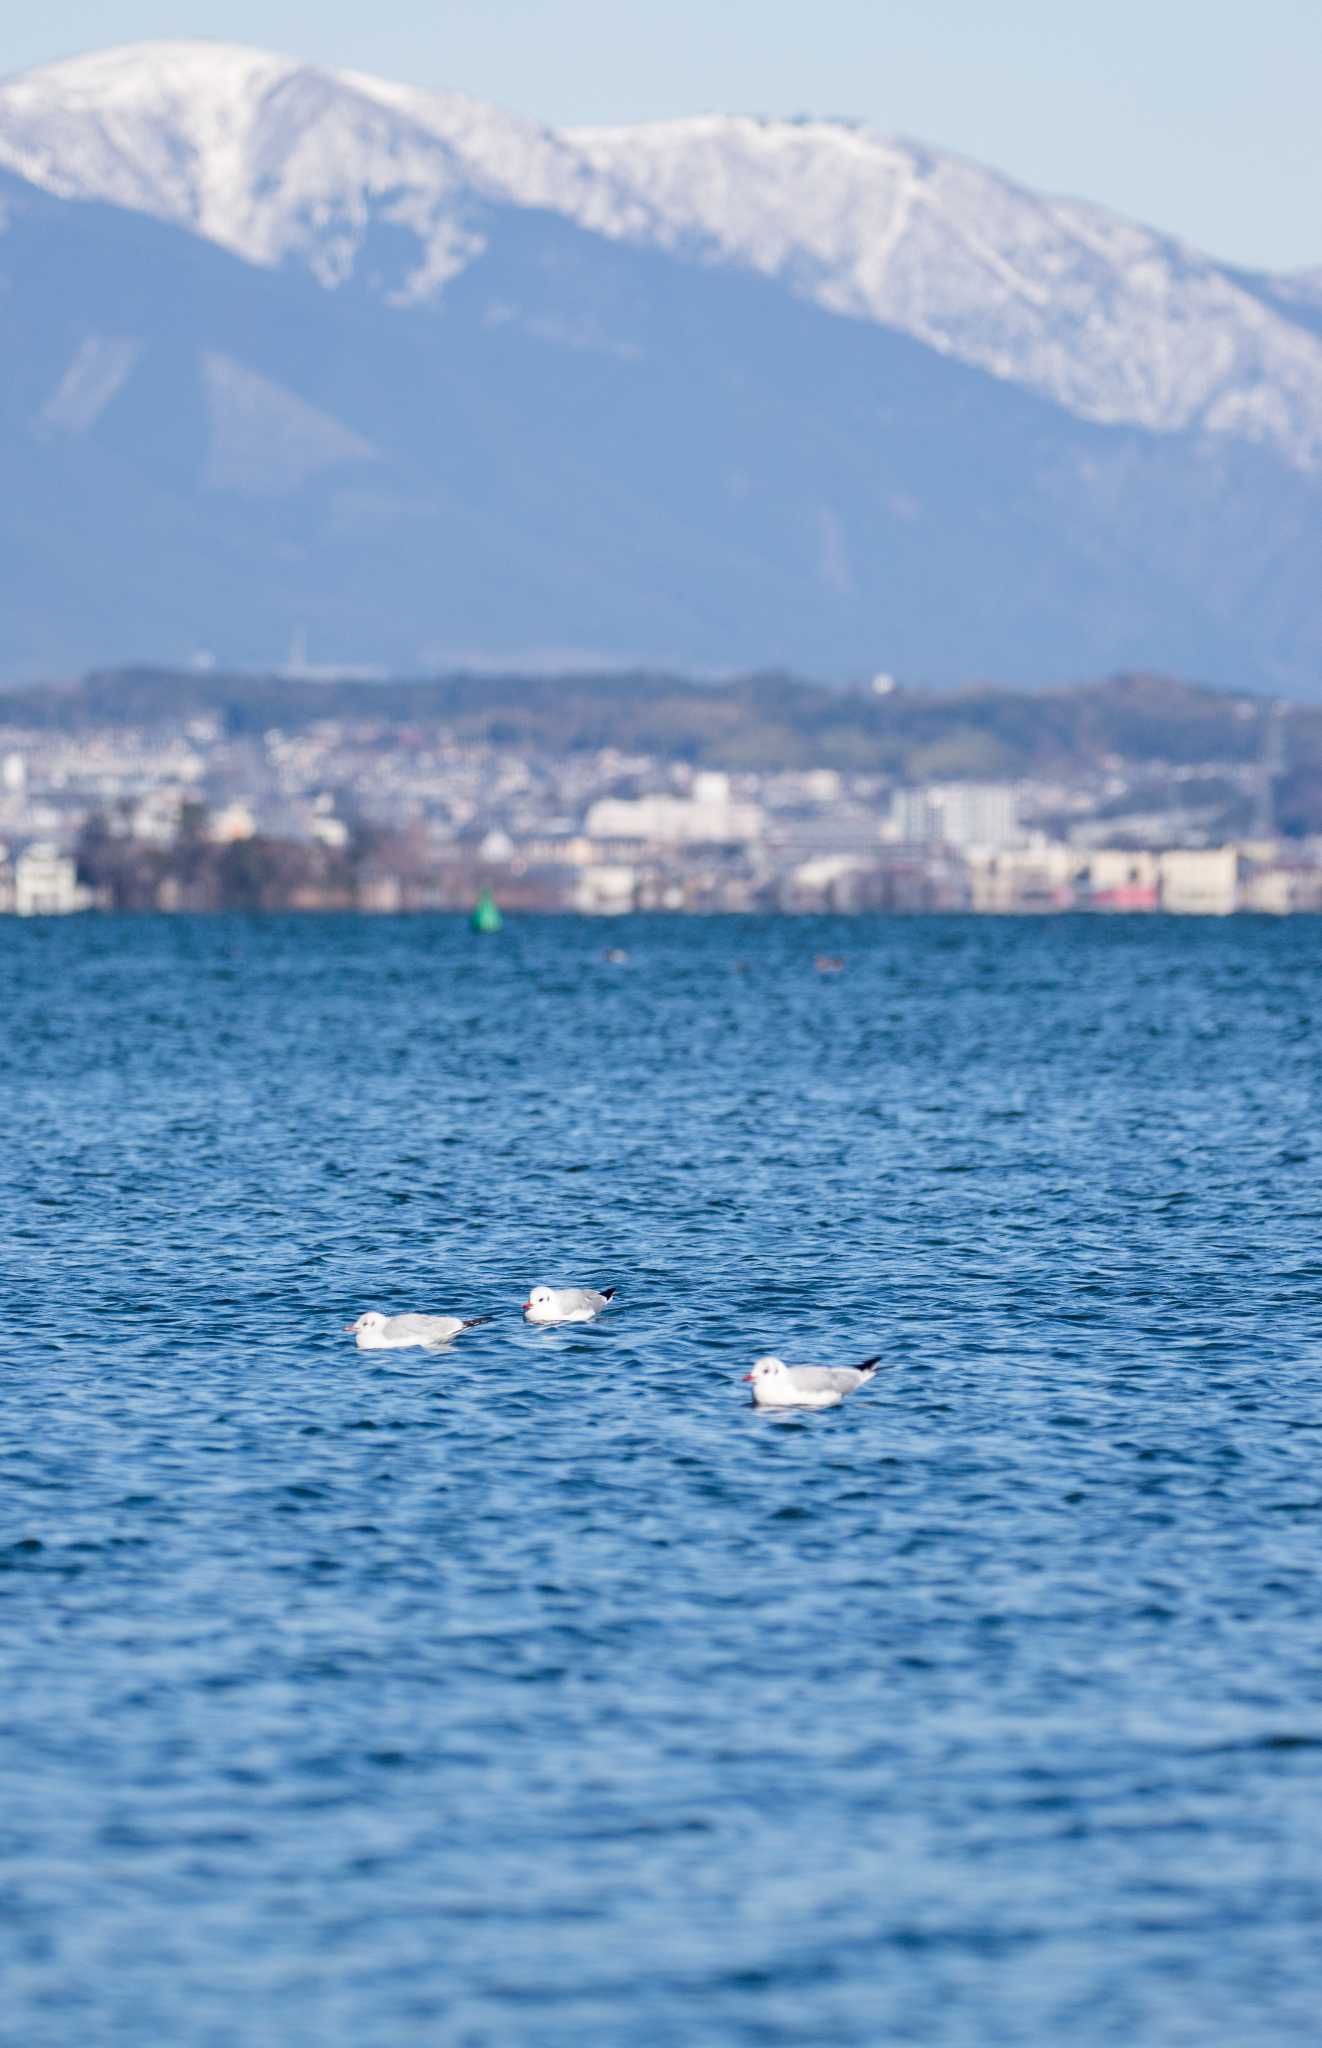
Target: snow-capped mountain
{"type": "Point", "coordinates": [285, 349]}
{"type": "Point", "coordinates": [1109, 319]}
{"type": "Point", "coordinates": [276, 160]}
{"type": "Point", "coordinates": [270, 159]}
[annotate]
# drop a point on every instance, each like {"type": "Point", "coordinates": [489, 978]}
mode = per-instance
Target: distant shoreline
{"type": "Point", "coordinates": [948, 913]}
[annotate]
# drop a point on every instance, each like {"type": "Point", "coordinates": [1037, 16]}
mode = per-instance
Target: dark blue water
{"type": "Point", "coordinates": [543, 1693]}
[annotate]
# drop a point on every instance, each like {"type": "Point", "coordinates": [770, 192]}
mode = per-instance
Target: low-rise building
{"type": "Point", "coordinates": [709, 816]}
{"type": "Point", "coordinates": [234, 821]}
{"type": "Point", "coordinates": [1121, 878]}
{"type": "Point", "coordinates": [1029, 878]}
{"type": "Point", "coordinates": [1281, 888]}
{"type": "Point", "coordinates": [828, 881]}
{"type": "Point", "coordinates": [605, 890]}
{"type": "Point", "coordinates": [46, 883]}
{"type": "Point", "coordinates": [1202, 882]}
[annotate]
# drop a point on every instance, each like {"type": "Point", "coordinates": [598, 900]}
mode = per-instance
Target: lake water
{"type": "Point", "coordinates": [541, 1692]}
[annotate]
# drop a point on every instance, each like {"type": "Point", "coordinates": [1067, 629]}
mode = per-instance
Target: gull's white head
{"type": "Point", "coordinates": [765, 1371]}
{"type": "Point", "coordinates": [537, 1297]}
{"type": "Point", "coordinates": [370, 1319]}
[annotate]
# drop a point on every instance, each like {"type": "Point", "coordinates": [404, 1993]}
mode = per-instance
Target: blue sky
{"type": "Point", "coordinates": [1197, 116]}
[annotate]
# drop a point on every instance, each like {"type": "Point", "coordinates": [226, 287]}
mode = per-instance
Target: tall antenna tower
{"type": "Point", "coordinates": [1271, 764]}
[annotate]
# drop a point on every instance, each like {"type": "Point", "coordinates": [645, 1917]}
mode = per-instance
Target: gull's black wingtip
{"type": "Point", "coordinates": [870, 1364]}
{"type": "Point", "coordinates": [608, 1294]}
{"type": "Point", "coordinates": [472, 1321]}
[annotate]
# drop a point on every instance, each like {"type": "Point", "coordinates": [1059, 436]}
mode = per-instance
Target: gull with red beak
{"type": "Point", "coordinates": [566, 1304]}
{"type": "Point", "coordinates": [777, 1385]}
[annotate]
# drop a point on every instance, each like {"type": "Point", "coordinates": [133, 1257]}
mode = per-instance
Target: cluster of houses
{"type": "Point", "coordinates": [1212, 881]}
{"type": "Point", "coordinates": [951, 846]}
{"type": "Point", "coordinates": [1037, 878]}
{"type": "Point", "coordinates": [673, 861]}
{"type": "Point", "coordinates": [386, 819]}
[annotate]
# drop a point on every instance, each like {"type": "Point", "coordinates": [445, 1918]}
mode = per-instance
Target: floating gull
{"type": "Point", "coordinates": [566, 1304]}
{"type": "Point", "coordinates": [376, 1332]}
{"type": "Point", "coordinates": [777, 1385]}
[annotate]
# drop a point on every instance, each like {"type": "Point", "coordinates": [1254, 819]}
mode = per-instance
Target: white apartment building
{"type": "Point", "coordinates": [1202, 882]}
{"type": "Point", "coordinates": [46, 883]}
{"type": "Point", "coordinates": [708, 815]}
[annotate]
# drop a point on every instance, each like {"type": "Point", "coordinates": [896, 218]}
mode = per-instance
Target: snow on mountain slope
{"type": "Point", "coordinates": [277, 161]}
{"type": "Point", "coordinates": [269, 158]}
{"type": "Point", "coordinates": [274, 159]}
{"type": "Point", "coordinates": [1114, 322]}
{"type": "Point", "coordinates": [520, 161]}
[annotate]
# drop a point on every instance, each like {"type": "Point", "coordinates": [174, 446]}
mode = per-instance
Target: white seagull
{"type": "Point", "coordinates": [376, 1332]}
{"type": "Point", "coordinates": [777, 1385]}
{"type": "Point", "coordinates": [566, 1304]}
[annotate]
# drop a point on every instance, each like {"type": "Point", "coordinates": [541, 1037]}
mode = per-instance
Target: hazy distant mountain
{"type": "Point", "coordinates": [286, 348]}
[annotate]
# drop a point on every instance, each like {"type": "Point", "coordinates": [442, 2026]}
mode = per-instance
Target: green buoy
{"type": "Point", "coordinates": [486, 915]}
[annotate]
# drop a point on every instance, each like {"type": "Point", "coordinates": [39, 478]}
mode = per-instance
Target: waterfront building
{"type": "Point", "coordinates": [1031, 878]}
{"type": "Point", "coordinates": [1202, 882]}
{"type": "Point", "coordinates": [1123, 878]}
{"type": "Point", "coordinates": [46, 883]}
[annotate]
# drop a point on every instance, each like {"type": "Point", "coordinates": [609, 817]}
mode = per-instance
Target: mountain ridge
{"type": "Point", "coordinates": [436, 420]}
{"type": "Point", "coordinates": [1108, 318]}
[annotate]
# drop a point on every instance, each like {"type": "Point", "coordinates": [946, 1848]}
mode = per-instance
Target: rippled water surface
{"type": "Point", "coordinates": [542, 1692]}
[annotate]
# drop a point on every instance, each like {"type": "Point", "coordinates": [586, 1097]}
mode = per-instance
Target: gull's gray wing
{"type": "Point", "coordinates": [572, 1299]}
{"type": "Point", "coordinates": [833, 1379]}
{"type": "Point", "coordinates": [427, 1329]}
{"type": "Point", "coordinates": [823, 1379]}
